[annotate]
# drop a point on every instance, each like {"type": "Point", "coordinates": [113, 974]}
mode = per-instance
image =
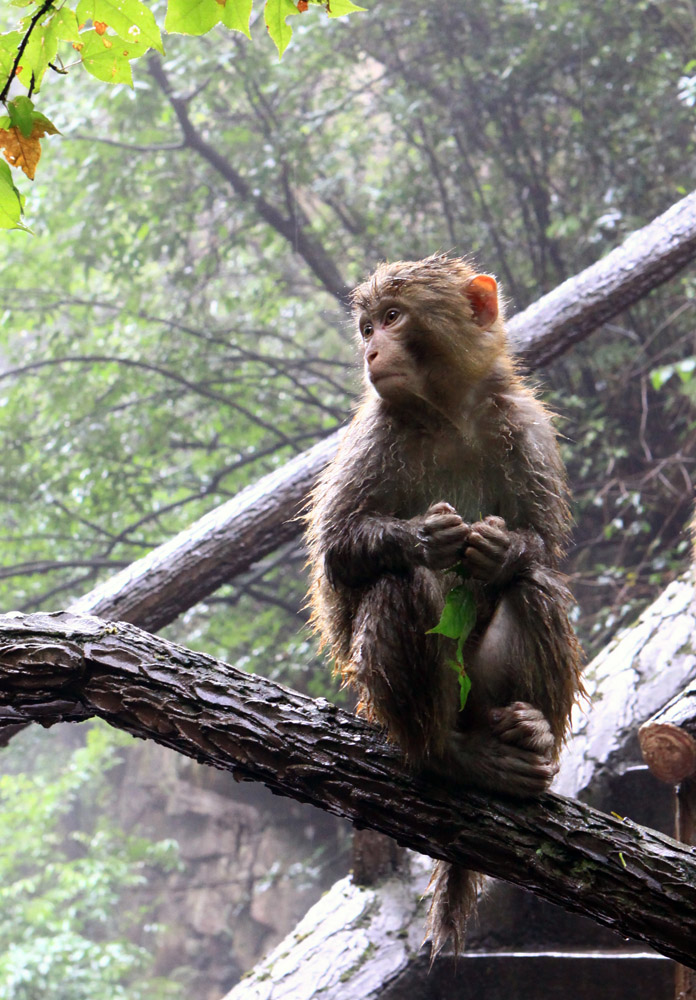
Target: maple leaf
{"type": "Point", "coordinates": [25, 151]}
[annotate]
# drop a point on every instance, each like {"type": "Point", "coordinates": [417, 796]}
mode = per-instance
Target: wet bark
{"type": "Point", "coordinates": [69, 667]}
{"type": "Point", "coordinates": [367, 942]}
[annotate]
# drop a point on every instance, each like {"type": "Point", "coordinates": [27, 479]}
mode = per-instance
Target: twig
{"type": "Point", "coordinates": [43, 9]}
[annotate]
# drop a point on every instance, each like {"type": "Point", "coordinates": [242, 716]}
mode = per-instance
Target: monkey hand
{"type": "Point", "coordinates": [494, 554]}
{"type": "Point", "coordinates": [440, 536]}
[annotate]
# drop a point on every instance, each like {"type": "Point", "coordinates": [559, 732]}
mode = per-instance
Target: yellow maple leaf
{"type": "Point", "coordinates": [25, 151]}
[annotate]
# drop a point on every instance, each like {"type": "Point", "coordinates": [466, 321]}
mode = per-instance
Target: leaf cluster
{"type": "Point", "coordinates": [457, 622]}
{"type": "Point", "coordinates": [103, 37]}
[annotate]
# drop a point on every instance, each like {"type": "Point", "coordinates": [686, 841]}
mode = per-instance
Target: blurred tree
{"type": "Point", "coordinates": [196, 295]}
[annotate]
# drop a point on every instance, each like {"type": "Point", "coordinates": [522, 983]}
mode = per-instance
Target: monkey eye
{"type": "Point", "coordinates": [366, 330]}
{"type": "Point", "coordinates": [390, 315]}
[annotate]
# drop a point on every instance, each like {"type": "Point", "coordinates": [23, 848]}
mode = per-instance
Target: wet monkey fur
{"type": "Point", "coordinates": [449, 458]}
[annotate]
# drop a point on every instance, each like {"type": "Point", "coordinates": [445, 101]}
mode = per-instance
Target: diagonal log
{"type": "Point", "coordinates": [636, 881]}
{"type": "Point", "coordinates": [156, 589]}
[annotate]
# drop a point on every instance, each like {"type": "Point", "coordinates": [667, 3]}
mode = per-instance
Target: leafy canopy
{"type": "Point", "coordinates": [104, 37]}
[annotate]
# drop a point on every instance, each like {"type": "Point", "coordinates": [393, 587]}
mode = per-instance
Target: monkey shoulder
{"type": "Point", "coordinates": [360, 477]}
{"type": "Point", "coordinates": [526, 429]}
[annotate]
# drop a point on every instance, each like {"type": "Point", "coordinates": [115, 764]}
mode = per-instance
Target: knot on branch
{"type": "Point", "coordinates": [668, 750]}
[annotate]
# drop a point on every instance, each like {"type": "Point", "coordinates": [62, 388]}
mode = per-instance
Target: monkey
{"type": "Point", "coordinates": [450, 459]}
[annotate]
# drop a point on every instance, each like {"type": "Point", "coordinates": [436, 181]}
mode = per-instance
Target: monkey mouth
{"type": "Point", "coordinates": [376, 377]}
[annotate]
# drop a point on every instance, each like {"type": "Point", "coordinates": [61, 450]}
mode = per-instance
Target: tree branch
{"type": "Point", "coordinates": [301, 242]}
{"type": "Point", "coordinates": [64, 666]}
{"type": "Point", "coordinates": [645, 664]}
{"type": "Point", "coordinates": [646, 259]}
{"type": "Point", "coordinates": [156, 589]}
{"type": "Point", "coordinates": [43, 9]}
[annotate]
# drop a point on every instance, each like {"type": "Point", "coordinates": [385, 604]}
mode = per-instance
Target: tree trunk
{"type": "Point", "coordinates": [638, 882]}
{"type": "Point", "coordinates": [668, 739]}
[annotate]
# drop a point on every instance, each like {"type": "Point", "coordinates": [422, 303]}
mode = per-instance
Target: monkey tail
{"type": "Point", "coordinates": [454, 890]}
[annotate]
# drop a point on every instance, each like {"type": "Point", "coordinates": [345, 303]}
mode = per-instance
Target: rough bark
{"type": "Point", "coordinates": [155, 590]}
{"type": "Point", "coordinates": [624, 876]}
{"type": "Point", "coordinates": [644, 666]}
{"type": "Point", "coordinates": [356, 942]}
{"type": "Point", "coordinates": [685, 978]}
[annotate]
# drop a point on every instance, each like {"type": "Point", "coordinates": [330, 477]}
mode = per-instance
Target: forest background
{"type": "Point", "coordinates": [175, 328]}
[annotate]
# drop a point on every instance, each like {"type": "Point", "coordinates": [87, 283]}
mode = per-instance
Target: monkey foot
{"type": "Point", "coordinates": [529, 754]}
{"type": "Point", "coordinates": [523, 725]}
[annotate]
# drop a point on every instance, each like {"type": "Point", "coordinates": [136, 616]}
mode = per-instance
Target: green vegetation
{"type": "Point", "coordinates": [189, 282]}
{"type": "Point", "coordinates": [67, 918]}
{"type": "Point", "coordinates": [103, 37]}
{"type": "Point", "coordinates": [175, 328]}
{"type": "Point", "coordinates": [195, 237]}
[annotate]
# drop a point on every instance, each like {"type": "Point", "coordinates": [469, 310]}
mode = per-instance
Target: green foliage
{"type": "Point", "coordinates": [457, 622]}
{"type": "Point", "coordinates": [104, 37]}
{"type": "Point", "coordinates": [65, 871]}
{"type": "Point", "coordinates": [11, 201]}
{"type": "Point", "coordinates": [684, 369]}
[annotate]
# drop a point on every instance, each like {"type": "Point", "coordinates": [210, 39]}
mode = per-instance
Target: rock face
{"type": "Point", "coordinates": [254, 864]}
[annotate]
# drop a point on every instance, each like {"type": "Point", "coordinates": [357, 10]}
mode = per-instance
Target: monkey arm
{"type": "Point", "coordinates": [369, 546]}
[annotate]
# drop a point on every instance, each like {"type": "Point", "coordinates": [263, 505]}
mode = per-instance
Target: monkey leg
{"type": "Point", "coordinates": [524, 726]}
{"type": "Point", "coordinates": [398, 669]}
{"type": "Point", "coordinates": [506, 742]}
{"type": "Point", "coordinates": [522, 765]}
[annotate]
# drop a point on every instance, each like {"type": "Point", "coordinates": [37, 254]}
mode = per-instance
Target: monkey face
{"type": "Point", "coordinates": [390, 349]}
{"type": "Point", "coordinates": [430, 333]}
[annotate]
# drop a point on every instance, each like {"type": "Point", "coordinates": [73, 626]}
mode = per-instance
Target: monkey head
{"type": "Point", "coordinates": [429, 330]}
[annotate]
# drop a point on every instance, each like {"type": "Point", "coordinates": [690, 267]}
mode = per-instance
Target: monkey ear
{"type": "Point", "coordinates": [482, 292]}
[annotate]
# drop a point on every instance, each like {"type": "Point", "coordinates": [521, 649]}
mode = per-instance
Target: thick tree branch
{"type": "Point", "coordinates": [156, 589]}
{"type": "Point", "coordinates": [668, 739]}
{"type": "Point", "coordinates": [172, 578]}
{"type": "Point", "coordinates": [631, 879]}
{"type": "Point", "coordinates": [335, 942]}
